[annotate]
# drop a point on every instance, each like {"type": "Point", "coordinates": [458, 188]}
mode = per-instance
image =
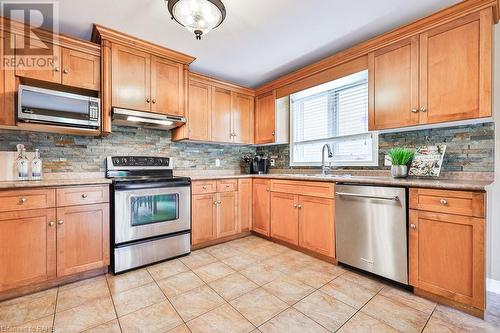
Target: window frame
{"type": "Point", "coordinates": [374, 136]}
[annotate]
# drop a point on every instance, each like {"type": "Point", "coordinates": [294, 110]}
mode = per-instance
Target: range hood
{"type": "Point", "coordinates": [133, 118]}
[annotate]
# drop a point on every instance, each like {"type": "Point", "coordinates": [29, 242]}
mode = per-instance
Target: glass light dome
{"type": "Point", "coordinates": [198, 16]}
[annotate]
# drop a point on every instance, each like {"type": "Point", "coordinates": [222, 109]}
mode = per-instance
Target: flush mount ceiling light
{"type": "Point", "coordinates": [198, 16]}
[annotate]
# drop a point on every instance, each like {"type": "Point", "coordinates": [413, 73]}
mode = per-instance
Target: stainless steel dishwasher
{"type": "Point", "coordinates": [371, 229]}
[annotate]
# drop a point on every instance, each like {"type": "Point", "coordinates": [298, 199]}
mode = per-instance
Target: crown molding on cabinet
{"type": "Point", "coordinates": [100, 33]}
{"type": "Point", "coordinates": [222, 84]}
{"type": "Point", "coordinates": [439, 18]}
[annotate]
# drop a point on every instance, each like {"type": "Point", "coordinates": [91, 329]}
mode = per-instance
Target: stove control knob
{"type": "Point", "coordinates": [124, 161]}
{"type": "Point", "coordinates": [116, 161]}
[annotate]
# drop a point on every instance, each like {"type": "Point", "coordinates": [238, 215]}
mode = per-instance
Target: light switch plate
{"type": "Point", "coordinates": [273, 162]}
{"type": "Point", "coordinates": [217, 162]}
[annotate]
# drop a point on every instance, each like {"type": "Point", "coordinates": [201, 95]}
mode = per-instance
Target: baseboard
{"type": "Point", "coordinates": [493, 286]}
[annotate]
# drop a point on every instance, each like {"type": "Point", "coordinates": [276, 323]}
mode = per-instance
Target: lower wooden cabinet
{"type": "Point", "coordinates": [261, 206]}
{"type": "Point", "coordinates": [204, 216]}
{"type": "Point", "coordinates": [227, 219]}
{"type": "Point", "coordinates": [447, 256]}
{"type": "Point", "coordinates": [285, 217]}
{"type": "Point", "coordinates": [316, 225]}
{"type": "Point", "coordinates": [82, 238]}
{"type": "Point", "coordinates": [244, 205]}
{"type": "Point", "coordinates": [27, 247]}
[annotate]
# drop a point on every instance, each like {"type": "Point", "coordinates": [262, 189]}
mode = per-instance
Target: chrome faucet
{"type": "Point", "coordinates": [325, 168]}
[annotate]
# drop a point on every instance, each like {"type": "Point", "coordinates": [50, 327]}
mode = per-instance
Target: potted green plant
{"type": "Point", "coordinates": [400, 158]}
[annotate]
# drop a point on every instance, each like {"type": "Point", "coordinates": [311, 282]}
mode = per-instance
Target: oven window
{"type": "Point", "coordinates": [154, 208]}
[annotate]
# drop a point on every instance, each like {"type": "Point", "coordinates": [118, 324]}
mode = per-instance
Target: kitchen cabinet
{"type": "Point", "coordinates": [221, 115]}
{"type": "Point", "coordinates": [446, 245]}
{"type": "Point", "coordinates": [261, 206]}
{"type": "Point", "coordinates": [167, 86]}
{"type": "Point", "coordinates": [285, 217]}
{"type": "Point", "coordinates": [27, 247]}
{"type": "Point", "coordinates": [82, 238]}
{"type": "Point", "coordinates": [265, 111]}
{"type": "Point", "coordinates": [227, 217]}
{"type": "Point", "coordinates": [217, 112]}
{"type": "Point", "coordinates": [58, 232]}
{"type": "Point", "coordinates": [74, 68]}
{"type": "Point", "coordinates": [316, 226]}
{"type": "Point", "coordinates": [443, 74]}
{"type": "Point", "coordinates": [244, 204]}
{"type": "Point", "coordinates": [204, 217]}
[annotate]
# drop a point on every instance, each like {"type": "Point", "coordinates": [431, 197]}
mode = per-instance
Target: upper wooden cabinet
{"type": "Point", "coordinates": [443, 74]}
{"type": "Point", "coordinates": [139, 75]}
{"type": "Point", "coordinates": [144, 82]}
{"type": "Point", "coordinates": [71, 67]}
{"type": "Point", "coordinates": [265, 111]}
{"type": "Point", "coordinates": [217, 112]}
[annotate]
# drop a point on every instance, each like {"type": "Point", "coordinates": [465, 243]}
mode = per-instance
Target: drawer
{"type": "Point", "coordinates": [204, 186]}
{"type": "Point", "coordinates": [13, 200]}
{"type": "Point", "coordinates": [453, 202]}
{"type": "Point", "coordinates": [227, 185]}
{"type": "Point", "coordinates": [314, 189]}
{"type": "Point", "coordinates": [82, 195]}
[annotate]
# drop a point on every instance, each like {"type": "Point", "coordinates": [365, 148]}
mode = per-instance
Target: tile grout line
{"type": "Point", "coordinates": [428, 319]}
{"type": "Point", "coordinates": [55, 311]}
{"type": "Point", "coordinates": [113, 302]}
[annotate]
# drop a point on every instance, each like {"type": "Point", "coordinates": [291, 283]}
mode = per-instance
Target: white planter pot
{"type": "Point", "coordinates": [399, 171]}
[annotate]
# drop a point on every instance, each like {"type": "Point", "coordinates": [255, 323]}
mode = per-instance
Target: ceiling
{"type": "Point", "coordinates": [260, 39]}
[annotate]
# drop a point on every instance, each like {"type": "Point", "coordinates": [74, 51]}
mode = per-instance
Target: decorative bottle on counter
{"type": "Point", "coordinates": [36, 166]}
{"type": "Point", "coordinates": [22, 163]}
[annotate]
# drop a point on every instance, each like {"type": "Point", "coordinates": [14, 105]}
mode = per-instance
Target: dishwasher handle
{"type": "Point", "coordinates": [367, 196]}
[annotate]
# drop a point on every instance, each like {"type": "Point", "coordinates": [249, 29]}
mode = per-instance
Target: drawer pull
{"type": "Point", "coordinates": [443, 202]}
{"type": "Point", "coordinates": [22, 200]}
{"type": "Point", "coordinates": [228, 185]}
{"type": "Point", "coordinates": [204, 187]}
{"type": "Point", "coordinates": [60, 222]}
{"type": "Point", "coordinates": [84, 195]}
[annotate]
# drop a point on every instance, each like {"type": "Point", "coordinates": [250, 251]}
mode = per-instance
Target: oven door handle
{"type": "Point", "coordinates": [140, 186]}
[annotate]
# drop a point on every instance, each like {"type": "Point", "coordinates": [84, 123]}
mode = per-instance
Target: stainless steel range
{"type": "Point", "coordinates": [151, 214]}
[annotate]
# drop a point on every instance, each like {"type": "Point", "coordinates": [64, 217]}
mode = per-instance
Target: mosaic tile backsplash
{"type": "Point", "coordinates": [469, 148]}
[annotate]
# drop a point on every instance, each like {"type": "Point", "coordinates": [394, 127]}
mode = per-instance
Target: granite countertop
{"type": "Point", "coordinates": [450, 184]}
{"type": "Point", "coordinates": [60, 179]}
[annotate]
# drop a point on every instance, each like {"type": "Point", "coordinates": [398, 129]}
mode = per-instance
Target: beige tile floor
{"type": "Point", "coordinates": [247, 285]}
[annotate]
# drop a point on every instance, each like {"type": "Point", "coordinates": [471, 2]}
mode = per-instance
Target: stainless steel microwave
{"type": "Point", "coordinates": [39, 105]}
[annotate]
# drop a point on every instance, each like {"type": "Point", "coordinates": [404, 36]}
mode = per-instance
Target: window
{"type": "Point", "coordinates": [335, 113]}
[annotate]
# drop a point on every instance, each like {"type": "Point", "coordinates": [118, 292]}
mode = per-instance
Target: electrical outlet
{"type": "Point", "coordinates": [387, 160]}
{"type": "Point", "coordinates": [217, 162]}
{"type": "Point", "coordinates": [273, 162]}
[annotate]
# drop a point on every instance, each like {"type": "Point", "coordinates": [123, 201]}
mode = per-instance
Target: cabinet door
{"type": "Point", "coordinates": [167, 87]}
{"type": "Point", "coordinates": [455, 70]}
{"type": "Point", "coordinates": [265, 114]}
{"type": "Point", "coordinates": [82, 238]}
{"type": "Point", "coordinates": [200, 111]}
{"type": "Point", "coordinates": [27, 247]}
{"type": "Point", "coordinates": [49, 71]}
{"type": "Point", "coordinates": [393, 86]}
{"type": "Point", "coordinates": [447, 256]}
{"type": "Point", "coordinates": [244, 205]}
{"type": "Point", "coordinates": [81, 69]}
{"type": "Point", "coordinates": [285, 217]}
{"type": "Point", "coordinates": [316, 225]}
{"type": "Point", "coordinates": [221, 115]}
{"type": "Point", "coordinates": [227, 219]}
{"type": "Point", "coordinates": [203, 218]}
{"type": "Point", "coordinates": [261, 206]}
{"type": "Point", "coordinates": [130, 78]}
{"type": "Point", "coordinates": [243, 106]}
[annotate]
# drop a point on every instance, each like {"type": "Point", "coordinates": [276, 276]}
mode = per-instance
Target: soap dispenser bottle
{"type": "Point", "coordinates": [22, 163]}
{"type": "Point", "coordinates": [36, 166]}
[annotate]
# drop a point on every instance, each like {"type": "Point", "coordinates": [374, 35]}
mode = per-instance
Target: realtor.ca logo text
{"type": "Point", "coordinates": [30, 35]}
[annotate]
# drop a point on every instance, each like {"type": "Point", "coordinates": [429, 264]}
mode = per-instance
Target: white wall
{"type": "Point", "coordinates": [493, 232]}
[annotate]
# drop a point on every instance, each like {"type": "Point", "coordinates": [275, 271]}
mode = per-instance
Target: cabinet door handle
{"type": "Point", "coordinates": [148, 100]}
{"type": "Point", "coordinates": [65, 71]}
{"type": "Point", "coordinates": [51, 223]}
{"type": "Point", "coordinates": [60, 222]}
{"type": "Point", "coordinates": [273, 133]}
{"type": "Point", "coordinates": [294, 205]}
{"type": "Point", "coordinates": [215, 203]}
{"type": "Point", "coordinates": [414, 110]}
{"type": "Point", "coordinates": [413, 226]}
{"type": "Point", "coordinates": [267, 189]}
{"type": "Point", "coordinates": [22, 200]}
{"type": "Point", "coordinates": [299, 206]}
{"type": "Point", "coordinates": [423, 109]}
{"type": "Point", "coordinates": [154, 101]}
{"type": "Point", "coordinates": [84, 195]}
{"type": "Point", "coordinates": [57, 69]}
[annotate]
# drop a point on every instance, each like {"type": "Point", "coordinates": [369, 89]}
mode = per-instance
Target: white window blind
{"type": "Point", "coordinates": [335, 113]}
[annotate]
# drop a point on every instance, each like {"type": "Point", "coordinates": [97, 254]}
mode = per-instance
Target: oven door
{"type": "Point", "coordinates": [150, 212]}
